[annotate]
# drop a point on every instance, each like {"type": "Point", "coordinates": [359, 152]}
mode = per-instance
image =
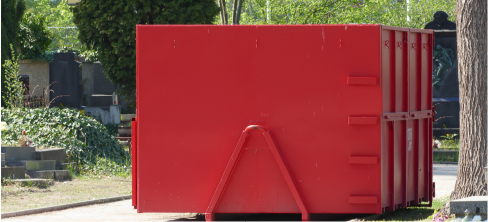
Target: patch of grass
{"type": "Point", "coordinates": [446, 157]}
{"type": "Point", "coordinates": [107, 167]}
{"type": "Point", "coordinates": [80, 188]}
{"type": "Point", "coordinates": [415, 213]}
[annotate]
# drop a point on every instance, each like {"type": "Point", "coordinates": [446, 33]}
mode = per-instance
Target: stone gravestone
{"type": "Point", "coordinates": [440, 22]}
{"type": "Point", "coordinates": [101, 84]}
{"type": "Point", "coordinates": [64, 74]}
{"type": "Point", "coordinates": [445, 90]}
{"type": "Point", "coordinates": [97, 88]}
{"type": "Point", "coordinates": [103, 88]}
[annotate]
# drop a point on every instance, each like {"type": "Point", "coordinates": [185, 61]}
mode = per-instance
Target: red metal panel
{"type": "Point", "coordinates": [363, 199]}
{"type": "Point", "coordinates": [362, 80]}
{"type": "Point", "coordinates": [363, 160]}
{"type": "Point", "coordinates": [134, 161]}
{"type": "Point", "coordinates": [199, 86]}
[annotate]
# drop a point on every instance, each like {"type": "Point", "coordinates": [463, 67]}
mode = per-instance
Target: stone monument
{"type": "Point", "coordinates": [445, 90]}
{"type": "Point", "coordinates": [64, 74]}
{"type": "Point", "coordinates": [440, 22]}
{"type": "Point", "coordinates": [97, 88]}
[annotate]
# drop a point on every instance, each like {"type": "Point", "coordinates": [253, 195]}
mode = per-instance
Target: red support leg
{"type": "Point", "coordinates": [209, 214]}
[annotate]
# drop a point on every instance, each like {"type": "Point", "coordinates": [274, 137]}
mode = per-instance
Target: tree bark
{"type": "Point", "coordinates": [472, 68]}
{"type": "Point", "coordinates": [223, 12]}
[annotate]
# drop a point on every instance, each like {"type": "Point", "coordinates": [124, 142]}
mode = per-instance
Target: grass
{"type": "Point", "coordinates": [415, 213]}
{"type": "Point", "coordinates": [80, 188]}
{"type": "Point", "coordinates": [104, 179]}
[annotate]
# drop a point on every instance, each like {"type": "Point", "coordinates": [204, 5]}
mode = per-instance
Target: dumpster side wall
{"type": "Point", "coordinates": [407, 118]}
{"type": "Point", "coordinates": [322, 91]}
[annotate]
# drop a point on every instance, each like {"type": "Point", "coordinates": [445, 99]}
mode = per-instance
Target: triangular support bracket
{"type": "Point", "coordinates": [209, 214]}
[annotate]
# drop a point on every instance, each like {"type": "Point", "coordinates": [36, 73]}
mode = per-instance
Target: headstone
{"type": "Point", "coordinates": [440, 22]}
{"type": "Point", "coordinates": [101, 84]}
{"type": "Point", "coordinates": [87, 79]}
{"type": "Point", "coordinates": [64, 74]}
{"type": "Point", "coordinates": [445, 90]}
{"type": "Point", "coordinates": [97, 88]}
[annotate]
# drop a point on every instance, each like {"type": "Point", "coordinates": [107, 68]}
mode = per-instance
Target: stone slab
{"type": "Point", "coordinates": [43, 174]}
{"type": "Point", "coordinates": [126, 117]}
{"type": "Point", "coordinates": [65, 166]}
{"type": "Point", "coordinates": [61, 174]}
{"type": "Point", "coordinates": [35, 182]}
{"type": "Point", "coordinates": [3, 156]}
{"type": "Point", "coordinates": [13, 172]}
{"type": "Point", "coordinates": [57, 154]}
{"type": "Point", "coordinates": [100, 100]}
{"type": "Point", "coordinates": [476, 205]}
{"type": "Point", "coordinates": [34, 164]}
{"type": "Point", "coordinates": [40, 165]}
{"type": "Point", "coordinates": [18, 153]}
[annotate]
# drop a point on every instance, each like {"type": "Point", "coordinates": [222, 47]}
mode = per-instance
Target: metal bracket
{"type": "Point", "coordinates": [209, 214]}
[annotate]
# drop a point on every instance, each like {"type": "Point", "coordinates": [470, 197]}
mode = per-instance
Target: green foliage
{"type": "Point", "coordinates": [106, 167]}
{"type": "Point", "coordinates": [34, 36]}
{"type": "Point", "coordinates": [113, 129]}
{"type": "Point", "coordinates": [13, 94]}
{"type": "Point", "coordinates": [290, 11]}
{"type": "Point", "coordinates": [109, 27]}
{"type": "Point", "coordinates": [383, 12]}
{"type": "Point", "coordinates": [84, 138]}
{"type": "Point", "coordinates": [395, 14]}
{"type": "Point", "coordinates": [60, 18]}
{"type": "Point", "coordinates": [12, 12]}
{"type": "Point", "coordinates": [46, 55]}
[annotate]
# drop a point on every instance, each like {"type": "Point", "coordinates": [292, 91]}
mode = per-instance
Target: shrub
{"type": "Point", "coordinates": [84, 138]}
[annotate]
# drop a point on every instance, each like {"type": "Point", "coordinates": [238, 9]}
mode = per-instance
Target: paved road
{"type": "Point", "coordinates": [444, 178]}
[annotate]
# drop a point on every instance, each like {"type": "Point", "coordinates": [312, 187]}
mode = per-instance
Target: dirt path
{"type": "Point", "coordinates": [444, 177]}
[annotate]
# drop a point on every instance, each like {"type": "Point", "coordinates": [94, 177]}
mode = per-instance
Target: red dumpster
{"type": "Point", "coordinates": [283, 119]}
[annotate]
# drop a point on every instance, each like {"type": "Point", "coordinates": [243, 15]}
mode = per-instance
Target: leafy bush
{"type": "Point", "coordinates": [84, 138]}
{"type": "Point", "coordinates": [34, 36]}
{"type": "Point", "coordinates": [12, 94]}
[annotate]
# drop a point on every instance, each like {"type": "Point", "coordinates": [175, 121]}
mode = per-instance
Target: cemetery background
{"type": "Point", "coordinates": [92, 82]}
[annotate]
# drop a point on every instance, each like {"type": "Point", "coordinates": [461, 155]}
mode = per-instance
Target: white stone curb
{"type": "Point", "coordinates": [64, 206]}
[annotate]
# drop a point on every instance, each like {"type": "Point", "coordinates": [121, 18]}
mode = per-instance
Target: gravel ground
{"type": "Point", "coordinates": [444, 178]}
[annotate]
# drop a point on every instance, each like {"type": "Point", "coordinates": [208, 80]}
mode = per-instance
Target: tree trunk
{"type": "Point", "coordinates": [223, 12]}
{"type": "Point", "coordinates": [472, 67]}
